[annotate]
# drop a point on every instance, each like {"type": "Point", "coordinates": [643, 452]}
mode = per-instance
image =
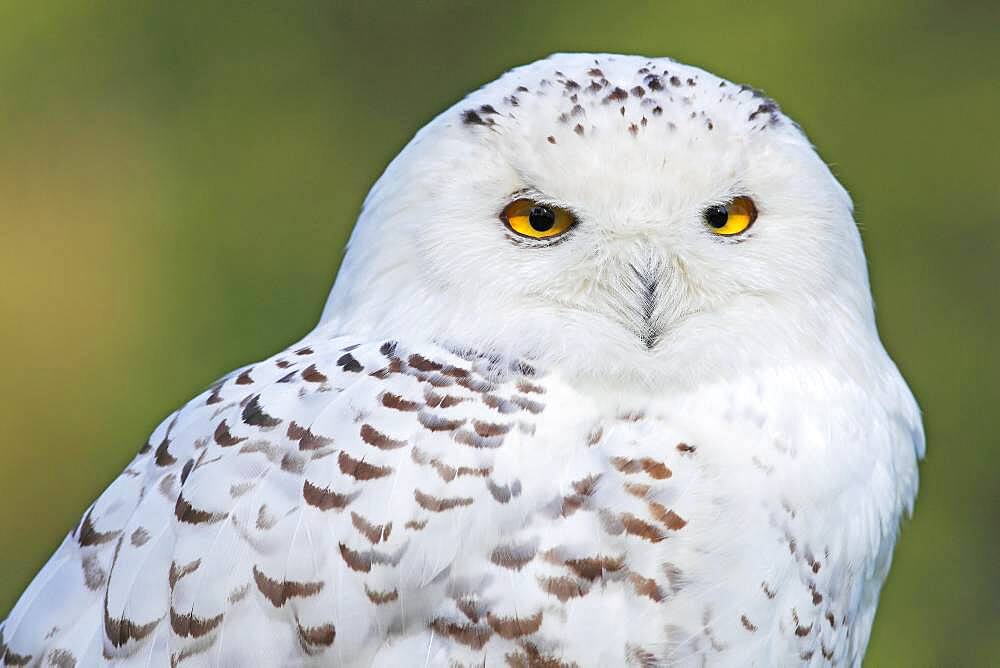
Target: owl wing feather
{"type": "Point", "coordinates": [268, 519]}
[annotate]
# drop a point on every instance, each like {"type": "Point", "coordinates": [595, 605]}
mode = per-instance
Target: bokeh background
{"type": "Point", "coordinates": [177, 181]}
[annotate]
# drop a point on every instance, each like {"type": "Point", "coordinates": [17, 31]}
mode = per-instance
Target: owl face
{"type": "Point", "coordinates": [610, 212]}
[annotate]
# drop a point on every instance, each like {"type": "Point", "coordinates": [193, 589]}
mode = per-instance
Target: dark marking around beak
{"type": "Point", "coordinates": [650, 333]}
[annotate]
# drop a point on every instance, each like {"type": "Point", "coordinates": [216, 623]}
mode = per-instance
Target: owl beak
{"type": "Point", "coordinates": [647, 283]}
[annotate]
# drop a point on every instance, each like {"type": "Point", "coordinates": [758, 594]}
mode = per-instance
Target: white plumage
{"type": "Point", "coordinates": [635, 442]}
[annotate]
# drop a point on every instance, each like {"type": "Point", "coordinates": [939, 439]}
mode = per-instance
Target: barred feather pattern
{"type": "Point", "coordinates": [355, 503]}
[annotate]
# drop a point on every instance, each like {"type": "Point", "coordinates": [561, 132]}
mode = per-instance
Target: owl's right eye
{"type": "Point", "coordinates": [528, 218]}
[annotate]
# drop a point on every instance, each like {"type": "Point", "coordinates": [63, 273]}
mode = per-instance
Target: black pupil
{"type": "Point", "coordinates": [717, 216]}
{"type": "Point", "coordinates": [541, 218]}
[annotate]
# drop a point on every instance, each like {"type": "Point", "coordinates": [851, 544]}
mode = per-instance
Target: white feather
{"type": "Point", "coordinates": [643, 445]}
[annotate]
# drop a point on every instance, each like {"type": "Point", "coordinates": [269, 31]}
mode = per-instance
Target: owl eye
{"type": "Point", "coordinates": [732, 218]}
{"type": "Point", "coordinates": [531, 219]}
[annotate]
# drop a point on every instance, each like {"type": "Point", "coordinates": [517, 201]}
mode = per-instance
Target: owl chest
{"type": "Point", "coordinates": [667, 530]}
{"type": "Point", "coordinates": [663, 541]}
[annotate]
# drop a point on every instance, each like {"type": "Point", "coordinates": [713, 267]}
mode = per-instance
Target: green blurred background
{"type": "Point", "coordinates": [177, 181]}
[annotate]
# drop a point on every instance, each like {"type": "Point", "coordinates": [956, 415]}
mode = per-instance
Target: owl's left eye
{"type": "Point", "coordinates": [732, 218]}
{"type": "Point", "coordinates": [532, 219]}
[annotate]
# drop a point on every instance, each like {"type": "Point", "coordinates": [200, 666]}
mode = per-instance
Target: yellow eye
{"type": "Point", "coordinates": [732, 218]}
{"type": "Point", "coordinates": [536, 221]}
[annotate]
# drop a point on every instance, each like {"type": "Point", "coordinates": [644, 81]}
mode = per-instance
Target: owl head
{"type": "Point", "coordinates": [618, 217]}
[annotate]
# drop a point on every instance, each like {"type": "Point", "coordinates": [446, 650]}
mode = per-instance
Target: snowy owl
{"type": "Point", "coordinates": [598, 384]}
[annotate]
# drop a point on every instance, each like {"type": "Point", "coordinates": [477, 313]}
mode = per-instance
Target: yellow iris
{"type": "Point", "coordinates": [529, 218]}
{"type": "Point", "coordinates": [733, 218]}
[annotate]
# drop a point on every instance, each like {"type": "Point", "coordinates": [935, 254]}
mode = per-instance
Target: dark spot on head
{"type": "Point", "coordinates": [765, 108]}
{"type": "Point", "coordinates": [552, 140]}
{"type": "Point", "coordinates": [657, 110]}
{"type": "Point", "coordinates": [617, 95]}
{"type": "Point", "coordinates": [753, 91]}
{"type": "Point", "coordinates": [470, 117]}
